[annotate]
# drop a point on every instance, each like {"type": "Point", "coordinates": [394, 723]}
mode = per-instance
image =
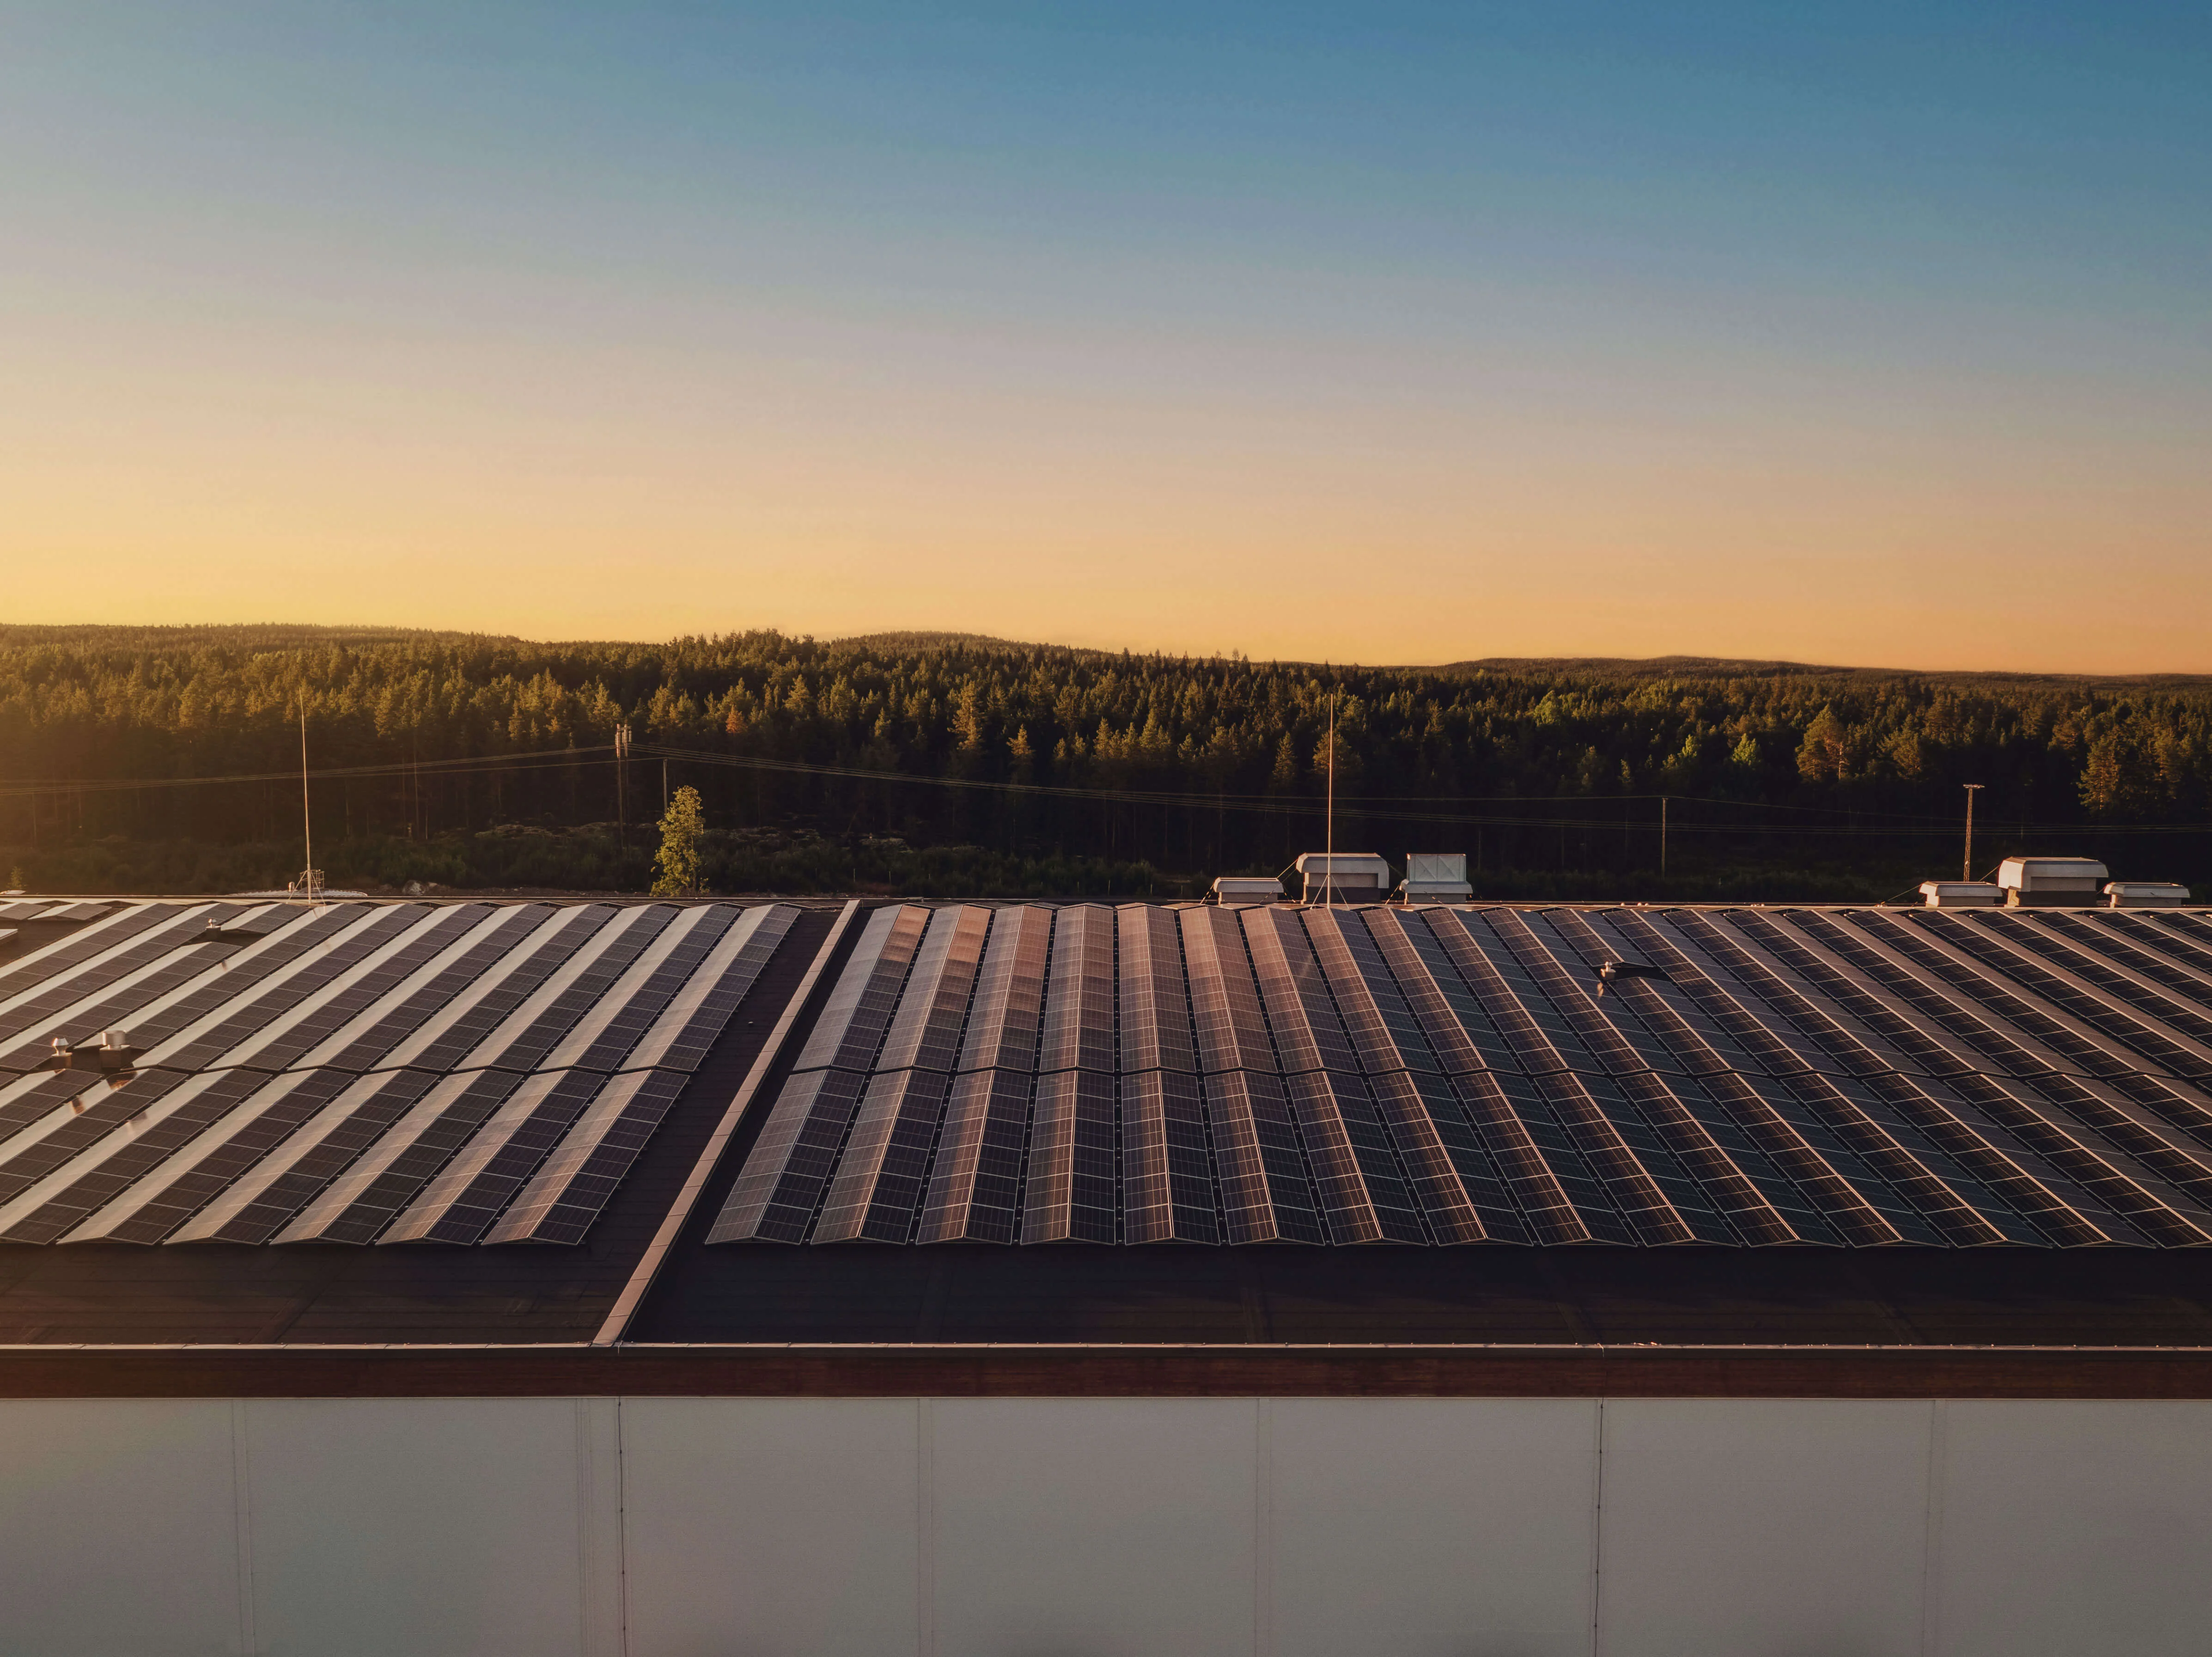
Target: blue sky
{"type": "Point", "coordinates": [1601, 328]}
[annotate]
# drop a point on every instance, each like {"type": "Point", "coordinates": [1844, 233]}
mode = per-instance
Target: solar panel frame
{"type": "Point", "coordinates": [851, 1027]}
{"type": "Point", "coordinates": [1070, 1192]}
{"type": "Point", "coordinates": [44, 998]}
{"type": "Point", "coordinates": [1078, 1029]}
{"type": "Point", "coordinates": [90, 956]}
{"type": "Point", "coordinates": [568, 1193]}
{"type": "Point", "coordinates": [486, 1175]}
{"type": "Point", "coordinates": [694, 1018]}
{"type": "Point", "coordinates": [789, 1167]}
{"type": "Point", "coordinates": [270, 1029]}
{"type": "Point", "coordinates": [1007, 1011]}
{"type": "Point", "coordinates": [262, 1201]}
{"type": "Point", "coordinates": [878, 1188]}
{"type": "Point", "coordinates": [441, 1041]}
{"type": "Point", "coordinates": [197, 1172]}
{"type": "Point", "coordinates": [389, 1174]}
{"type": "Point", "coordinates": [926, 1028]}
{"type": "Point", "coordinates": [976, 1184]}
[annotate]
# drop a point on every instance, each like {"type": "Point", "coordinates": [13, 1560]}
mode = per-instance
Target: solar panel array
{"type": "Point", "coordinates": [464, 1073]}
{"type": "Point", "coordinates": [1464, 1075]}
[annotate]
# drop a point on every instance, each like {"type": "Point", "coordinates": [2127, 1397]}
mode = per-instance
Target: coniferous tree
{"type": "Point", "coordinates": [683, 837]}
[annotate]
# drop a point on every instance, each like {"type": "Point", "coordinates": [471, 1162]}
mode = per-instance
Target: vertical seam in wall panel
{"type": "Point", "coordinates": [584, 1575]}
{"type": "Point", "coordinates": [1263, 1527]}
{"type": "Point", "coordinates": [622, 1532]}
{"type": "Point", "coordinates": [1931, 1554]}
{"type": "Point", "coordinates": [241, 1497]}
{"type": "Point", "coordinates": [1597, 1542]}
{"type": "Point", "coordinates": [925, 1537]}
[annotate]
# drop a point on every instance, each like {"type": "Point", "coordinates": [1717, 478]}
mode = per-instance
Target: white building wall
{"type": "Point", "coordinates": [1026, 1528]}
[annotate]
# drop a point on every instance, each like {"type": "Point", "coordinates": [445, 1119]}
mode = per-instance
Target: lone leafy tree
{"type": "Point", "coordinates": [683, 835]}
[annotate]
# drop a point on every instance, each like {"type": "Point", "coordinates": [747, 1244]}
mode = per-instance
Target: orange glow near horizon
{"type": "Point", "coordinates": [1409, 337]}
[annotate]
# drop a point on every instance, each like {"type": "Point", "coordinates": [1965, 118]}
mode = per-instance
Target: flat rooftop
{"type": "Point", "coordinates": [706, 1133]}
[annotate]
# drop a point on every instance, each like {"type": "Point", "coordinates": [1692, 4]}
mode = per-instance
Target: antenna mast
{"type": "Point", "coordinates": [1328, 863]}
{"type": "Point", "coordinates": [308, 883]}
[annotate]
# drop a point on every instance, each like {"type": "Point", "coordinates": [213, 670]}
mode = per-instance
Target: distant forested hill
{"type": "Point", "coordinates": [1782, 779]}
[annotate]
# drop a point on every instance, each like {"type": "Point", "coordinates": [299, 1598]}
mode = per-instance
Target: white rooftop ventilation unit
{"type": "Point", "coordinates": [1235, 889]}
{"type": "Point", "coordinates": [2146, 894]}
{"type": "Point", "coordinates": [1436, 877]}
{"type": "Point", "coordinates": [1355, 877]}
{"type": "Point", "coordinates": [2052, 882]}
{"type": "Point", "coordinates": [1961, 894]}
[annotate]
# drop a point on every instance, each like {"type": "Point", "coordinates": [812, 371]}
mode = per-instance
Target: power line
{"type": "Point", "coordinates": [539, 760]}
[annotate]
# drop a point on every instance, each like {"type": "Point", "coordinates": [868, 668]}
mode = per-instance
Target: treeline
{"type": "Point", "coordinates": [1780, 779]}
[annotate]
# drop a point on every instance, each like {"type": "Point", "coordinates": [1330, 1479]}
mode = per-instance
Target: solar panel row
{"type": "Point", "coordinates": [393, 1073]}
{"type": "Point", "coordinates": [1839, 1077]}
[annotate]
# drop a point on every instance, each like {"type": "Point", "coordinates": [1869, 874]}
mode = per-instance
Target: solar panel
{"type": "Point", "coordinates": [146, 1001]}
{"type": "Point", "coordinates": [1154, 999]}
{"type": "Point", "coordinates": [391, 1171]}
{"type": "Point", "coordinates": [441, 1041]}
{"type": "Point", "coordinates": [263, 1202]}
{"type": "Point", "coordinates": [696, 1016]}
{"type": "Point", "coordinates": [976, 1184]}
{"type": "Point", "coordinates": [791, 1163]}
{"type": "Point", "coordinates": [1078, 997]}
{"type": "Point", "coordinates": [175, 1190]}
{"type": "Point", "coordinates": [465, 1074]}
{"type": "Point", "coordinates": [851, 1023]}
{"type": "Point", "coordinates": [615, 1020]}
{"type": "Point", "coordinates": [932, 1008]}
{"type": "Point", "coordinates": [471, 1192]}
{"type": "Point", "coordinates": [91, 952]}
{"type": "Point", "coordinates": [1168, 1180]}
{"type": "Point", "coordinates": [885, 1166]}
{"type": "Point", "coordinates": [479, 940]}
{"type": "Point", "coordinates": [134, 945]}
{"type": "Point", "coordinates": [1070, 1194]}
{"type": "Point", "coordinates": [1230, 1031]}
{"type": "Point", "coordinates": [1003, 1020]}
{"type": "Point", "coordinates": [160, 1126]}
{"type": "Point", "coordinates": [1266, 1193]}
{"type": "Point", "coordinates": [270, 1028]}
{"type": "Point", "coordinates": [577, 1181]}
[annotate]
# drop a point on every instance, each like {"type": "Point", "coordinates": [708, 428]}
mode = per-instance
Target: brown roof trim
{"type": "Point", "coordinates": [1746, 1372]}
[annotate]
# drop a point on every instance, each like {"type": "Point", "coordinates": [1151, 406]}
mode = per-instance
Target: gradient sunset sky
{"type": "Point", "coordinates": [1872, 334]}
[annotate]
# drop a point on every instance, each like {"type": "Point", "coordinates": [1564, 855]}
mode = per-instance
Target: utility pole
{"type": "Point", "coordinates": [664, 787]}
{"type": "Point", "coordinates": [622, 791]}
{"type": "Point", "coordinates": [1663, 834]}
{"type": "Point", "coordinates": [1966, 871]}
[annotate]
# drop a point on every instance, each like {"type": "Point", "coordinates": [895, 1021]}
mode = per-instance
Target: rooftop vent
{"type": "Point", "coordinates": [1436, 877]}
{"type": "Point", "coordinates": [1961, 894]}
{"type": "Point", "coordinates": [2146, 894]}
{"type": "Point", "coordinates": [1614, 971]}
{"type": "Point", "coordinates": [2052, 882]}
{"type": "Point", "coordinates": [1359, 877]}
{"type": "Point", "coordinates": [1247, 889]}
